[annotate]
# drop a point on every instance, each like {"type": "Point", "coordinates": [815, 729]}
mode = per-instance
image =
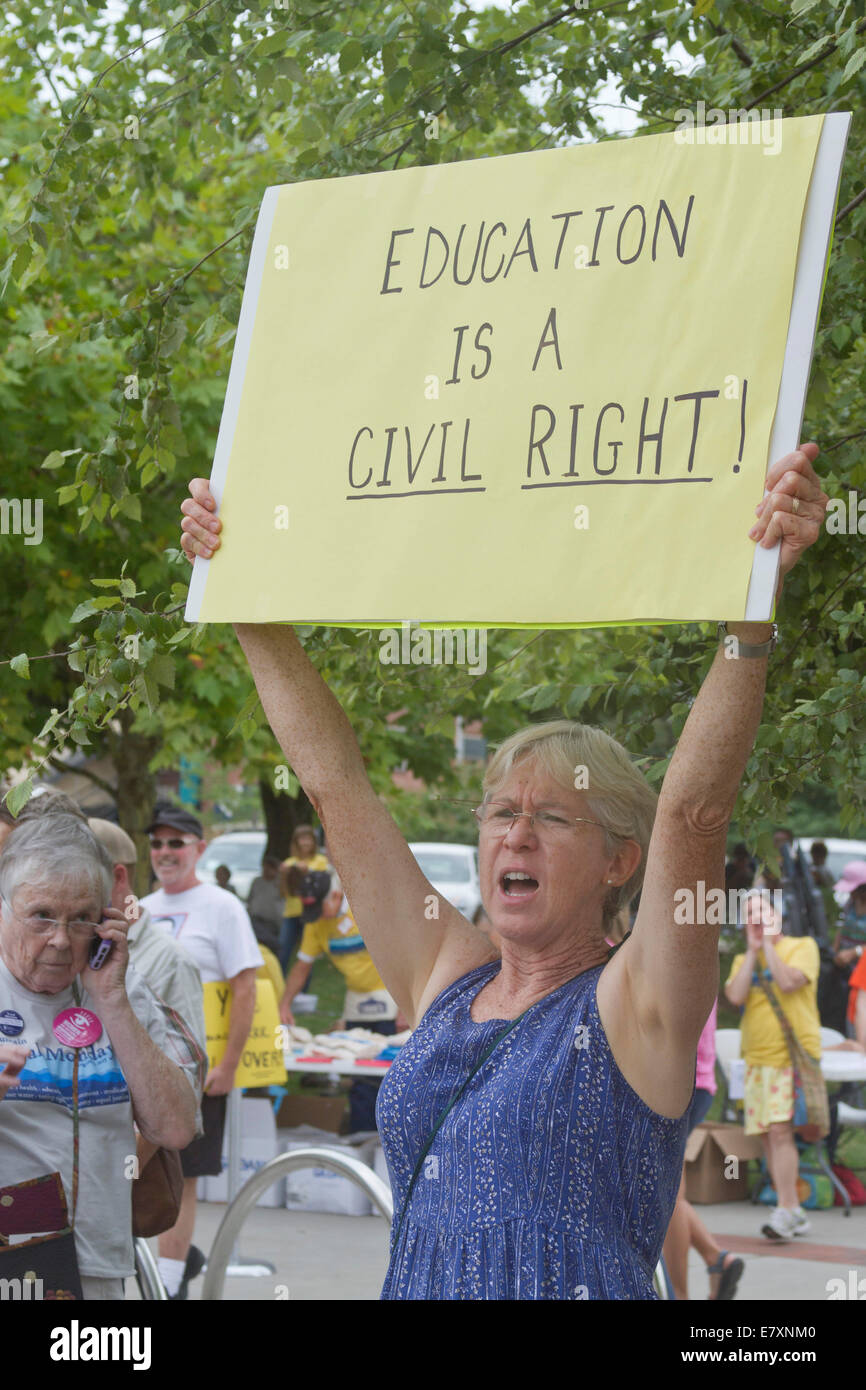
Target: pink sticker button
{"type": "Point", "coordinates": [77, 1027]}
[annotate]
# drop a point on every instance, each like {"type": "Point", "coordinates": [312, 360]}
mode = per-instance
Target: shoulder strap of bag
{"type": "Point", "coordinates": [75, 1126]}
{"type": "Point", "coordinates": [445, 1113]}
{"type": "Point", "coordinates": [793, 1044]}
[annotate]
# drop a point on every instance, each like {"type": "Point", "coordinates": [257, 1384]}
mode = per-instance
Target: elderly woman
{"type": "Point", "coordinates": [788, 966]}
{"type": "Point", "coordinates": [534, 1124]}
{"type": "Point", "coordinates": [85, 1051]}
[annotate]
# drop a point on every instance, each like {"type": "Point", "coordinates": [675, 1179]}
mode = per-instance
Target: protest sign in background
{"type": "Point", "coordinates": [537, 389]}
{"type": "Point", "coordinates": [261, 1061]}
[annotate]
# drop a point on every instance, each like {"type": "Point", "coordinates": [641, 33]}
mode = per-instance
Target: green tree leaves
{"type": "Point", "coordinates": [130, 190]}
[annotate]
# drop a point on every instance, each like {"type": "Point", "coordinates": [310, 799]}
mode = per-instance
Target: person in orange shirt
{"type": "Point", "coordinates": [857, 1000]}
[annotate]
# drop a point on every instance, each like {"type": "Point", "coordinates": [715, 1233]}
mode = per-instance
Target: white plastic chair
{"type": "Point", "coordinates": [727, 1050]}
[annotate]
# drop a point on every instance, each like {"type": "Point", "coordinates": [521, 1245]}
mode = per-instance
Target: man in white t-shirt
{"type": "Point", "coordinates": [213, 927]}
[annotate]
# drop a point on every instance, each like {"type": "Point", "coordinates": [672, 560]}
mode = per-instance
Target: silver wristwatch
{"type": "Point", "coordinates": [750, 649]}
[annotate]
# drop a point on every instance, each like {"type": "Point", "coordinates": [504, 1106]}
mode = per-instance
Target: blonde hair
{"type": "Point", "coordinates": [298, 831]}
{"type": "Point", "coordinates": [618, 795]}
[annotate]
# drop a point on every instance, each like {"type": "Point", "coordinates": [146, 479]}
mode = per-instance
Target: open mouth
{"type": "Point", "coordinates": [515, 884]}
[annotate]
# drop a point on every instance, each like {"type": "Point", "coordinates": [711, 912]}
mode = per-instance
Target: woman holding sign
{"type": "Point", "coordinates": [535, 1122]}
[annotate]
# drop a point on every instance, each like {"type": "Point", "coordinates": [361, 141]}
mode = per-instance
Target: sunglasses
{"type": "Point", "coordinates": [175, 843]}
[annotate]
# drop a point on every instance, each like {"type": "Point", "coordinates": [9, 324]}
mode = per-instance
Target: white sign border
{"type": "Point", "coordinates": [805, 306]}
{"type": "Point", "coordinates": [237, 375]}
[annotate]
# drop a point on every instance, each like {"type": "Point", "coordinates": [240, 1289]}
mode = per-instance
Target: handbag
{"type": "Point", "coordinates": [811, 1105]}
{"type": "Point", "coordinates": [439, 1123]}
{"type": "Point", "coordinates": [157, 1193]}
{"type": "Point", "coordinates": [46, 1266]}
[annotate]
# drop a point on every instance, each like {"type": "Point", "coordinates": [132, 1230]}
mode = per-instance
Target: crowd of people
{"type": "Point", "coordinates": [534, 1123]}
{"type": "Point", "coordinates": [563, 1189]}
{"type": "Point", "coordinates": [66, 883]}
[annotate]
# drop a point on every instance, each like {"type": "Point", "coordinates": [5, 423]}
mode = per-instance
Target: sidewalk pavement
{"type": "Point", "coordinates": [316, 1256]}
{"type": "Point", "coordinates": [794, 1271]}
{"type": "Point", "coordinates": [344, 1258]}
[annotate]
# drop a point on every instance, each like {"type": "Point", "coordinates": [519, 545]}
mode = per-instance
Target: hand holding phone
{"type": "Point", "coordinates": [100, 949]}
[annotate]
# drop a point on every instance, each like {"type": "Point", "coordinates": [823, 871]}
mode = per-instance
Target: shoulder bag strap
{"type": "Point", "coordinates": [449, 1107]}
{"type": "Point", "coordinates": [75, 1126]}
{"type": "Point", "coordinates": [793, 1045]}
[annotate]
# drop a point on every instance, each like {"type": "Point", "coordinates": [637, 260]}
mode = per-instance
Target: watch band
{"type": "Point", "coordinates": [748, 649]}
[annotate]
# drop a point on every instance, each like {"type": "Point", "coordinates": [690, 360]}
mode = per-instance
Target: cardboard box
{"type": "Point", "coordinates": [258, 1146]}
{"type": "Point", "coordinates": [321, 1112]}
{"type": "Point", "coordinates": [709, 1171]}
{"type": "Point", "coordinates": [257, 1118]}
{"type": "Point", "coordinates": [255, 1153]}
{"type": "Point", "coordinates": [321, 1189]}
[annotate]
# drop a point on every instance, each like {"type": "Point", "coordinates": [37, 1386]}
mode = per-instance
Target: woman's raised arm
{"type": "Point", "coordinates": [671, 967]}
{"type": "Point", "coordinates": [402, 920]}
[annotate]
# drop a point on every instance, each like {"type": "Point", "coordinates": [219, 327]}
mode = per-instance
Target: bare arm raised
{"type": "Point", "coordinates": [392, 901]}
{"type": "Point", "coordinates": [657, 992]}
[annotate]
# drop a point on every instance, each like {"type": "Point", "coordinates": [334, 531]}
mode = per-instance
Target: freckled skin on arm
{"type": "Point", "coordinates": [387, 890]}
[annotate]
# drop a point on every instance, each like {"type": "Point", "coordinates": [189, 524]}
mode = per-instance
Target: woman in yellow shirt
{"type": "Point", "coordinates": [304, 853]}
{"type": "Point", "coordinates": [789, 966]}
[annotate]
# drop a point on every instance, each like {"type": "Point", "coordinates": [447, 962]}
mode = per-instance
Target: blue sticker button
{"type": "Point", "coordinates": [11, 1023]}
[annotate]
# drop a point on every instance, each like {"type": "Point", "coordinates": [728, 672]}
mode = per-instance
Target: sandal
{"type": "Point", "coordinates": [730, 1276]}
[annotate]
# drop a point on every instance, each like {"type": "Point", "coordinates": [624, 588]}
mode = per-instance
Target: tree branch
{"type": "Point", "coordinates": [55, 762]}
{"type": "Point", "coordinates": [804, 67]}
{"type": "Point", "coordinates": [849, 207]}
{"type": "Point", "coordinates": [844, 440]}
{"type": "Point", "coordinates": [810, 627]}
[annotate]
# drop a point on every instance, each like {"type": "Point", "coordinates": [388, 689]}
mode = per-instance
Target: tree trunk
{"type": "Point", "coordinates": [282, 813]}
{"type": "Point", "coordinates": [131, 754]}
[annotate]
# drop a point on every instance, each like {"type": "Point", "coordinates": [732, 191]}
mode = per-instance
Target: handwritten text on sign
{"type": "Point", "coordinates": [261, 1062]}
{"type": "Point", "coordinates": [470, 341]}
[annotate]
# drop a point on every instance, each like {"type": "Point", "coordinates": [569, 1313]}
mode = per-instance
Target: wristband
{"type": "Point", "coordinates": [751, 649]}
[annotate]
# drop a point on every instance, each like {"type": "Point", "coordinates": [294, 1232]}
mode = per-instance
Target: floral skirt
{"type": "Point", "coordinates": [768, 1098]}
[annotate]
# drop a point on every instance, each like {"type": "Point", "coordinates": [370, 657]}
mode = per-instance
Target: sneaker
{"type": "Point", "coordinates": [195, 1263]}
{"type": "Point", "coordinates": [802, 1224]}
{"type": "Point", "coordinates": [780, 1226]}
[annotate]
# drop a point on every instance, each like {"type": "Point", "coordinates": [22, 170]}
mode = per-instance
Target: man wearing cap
{"type": "Point", "coordinates": [213, 927]}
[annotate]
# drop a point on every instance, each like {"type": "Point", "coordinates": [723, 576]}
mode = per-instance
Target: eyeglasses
{"type": "Point", "coordinates": [175, 843]}
{"type": "Point", "coordinates": [497, 818]}
{"type": "Point", "coordinates": [37, 925]}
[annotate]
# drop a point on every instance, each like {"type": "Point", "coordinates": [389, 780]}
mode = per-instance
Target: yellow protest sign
{"type": "Point", "coordinates": [530, 390]}
{"type": "Point", "coordinates": [261, 1061]}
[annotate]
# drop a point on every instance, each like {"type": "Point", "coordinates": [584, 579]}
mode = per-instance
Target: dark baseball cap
{"type": "Point", "coordinates": [178, 819]}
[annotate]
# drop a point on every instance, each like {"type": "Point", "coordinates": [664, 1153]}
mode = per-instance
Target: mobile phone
{"type": "Point", "coordinates": [99, 951]}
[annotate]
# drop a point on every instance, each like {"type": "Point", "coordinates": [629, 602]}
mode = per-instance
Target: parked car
{"type": "Point", "coordinates": [242, 851]}
{"type": "Point", "coordinates": [453, 872]}
{"type": "Point", "coordinates": [839, 853]}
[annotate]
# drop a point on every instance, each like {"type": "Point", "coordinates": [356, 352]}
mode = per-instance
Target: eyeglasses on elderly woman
{"type": "Point", "coordinates": [40, 924]}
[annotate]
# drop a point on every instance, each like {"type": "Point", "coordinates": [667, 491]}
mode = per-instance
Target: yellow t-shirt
{"type": "Point", "coordinates": [293, 907]}
{"type": "Point", "coordinates": [340, 940]}
{"type": "Point", "coordinates": [271, 971]}
{"type": "Point", "coordinates": [763, 1042]}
